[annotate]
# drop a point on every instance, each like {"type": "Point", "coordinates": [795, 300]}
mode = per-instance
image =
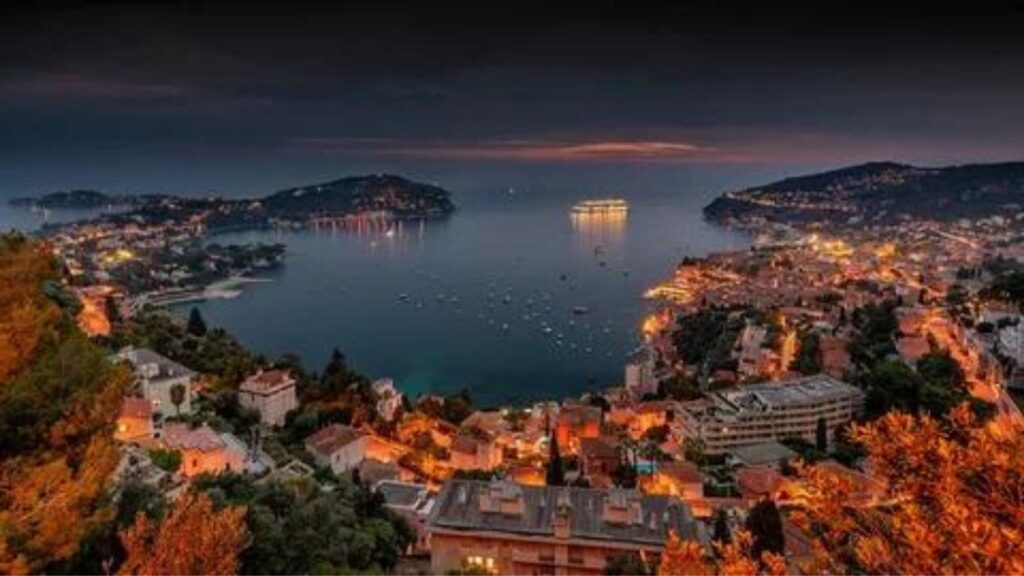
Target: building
{"type": "Point", "coordinates": [598, 459]}
{"type": "Point", "coordinates": [753, 356]}
{"type": "Point", "coordinates": [340, 448]}
{"type": "Point", "coordinates": [135, 420]}
{"type": "Point", "coordinates": [203, 450]}
{"type": "Point", "coordinates": [389, 399]}
{"type": "Point", "coordinates": [680, 479]}
{"type": "Point", "coordinates": [640, 378]}
{"type": "Point", "coordinates": [649, 415]}
{"type": "Point", "coordinates": [505, 528]}
{"type": "Point", "coordinates": [759, 413]}
{"type": "Point", "coordinates": [270, 393]}
{"type": "Point", "coordinates": [412, 502]}
{"type": "Point", "coordinates": [475, 450]}
{"type": "Point", "coordinates": [156, 377]}
{"type": "Point", "coordinates": [576, 422]}
{"type": "Point", "coordinates": [835, 357]}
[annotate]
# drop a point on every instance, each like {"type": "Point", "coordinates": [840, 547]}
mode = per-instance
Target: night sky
{"type": "Point", "coordinates": [248, 97]}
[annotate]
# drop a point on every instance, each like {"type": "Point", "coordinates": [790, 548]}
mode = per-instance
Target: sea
{"type": "Point", "coordinates": [511, 297]}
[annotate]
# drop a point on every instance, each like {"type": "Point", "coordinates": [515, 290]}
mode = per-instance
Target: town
{"type": "Point", "coordinates": [755, 365]}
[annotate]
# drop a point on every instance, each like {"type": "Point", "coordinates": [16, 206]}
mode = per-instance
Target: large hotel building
{"type": "Point", "coordinates": [758, 413]}
{"type": "Point", "coordinates": [505, 528]}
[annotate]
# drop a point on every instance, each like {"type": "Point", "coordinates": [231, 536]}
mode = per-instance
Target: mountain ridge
{"type": "Point", "coordinates": [877, 191]}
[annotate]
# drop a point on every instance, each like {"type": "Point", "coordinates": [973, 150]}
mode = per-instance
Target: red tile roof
{"type": "Point", "coordinates": [758, 480]}
{"type": "Point", "coordinates": [180, 436]}
{"type": "Point", "coordinates": [682, 472]}
{"type": "Point", "coordinates": [266, 382]}
{"type": "Point", "coordinates": [134, 407]}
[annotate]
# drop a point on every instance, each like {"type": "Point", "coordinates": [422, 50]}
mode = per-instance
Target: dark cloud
{"type": "Point", "coordinates": [678, 82]}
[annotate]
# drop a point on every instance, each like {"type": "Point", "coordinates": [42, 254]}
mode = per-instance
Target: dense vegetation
{"type": "Point", "coordinates": [301, 528]}
{"type": "Point", "coordinates": [59, 397]}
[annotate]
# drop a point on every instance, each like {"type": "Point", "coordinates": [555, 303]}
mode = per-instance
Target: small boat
{"type": "Point", "coordinates": [578, 310]}
{"type": "Point", "coordinates": [403, 296]}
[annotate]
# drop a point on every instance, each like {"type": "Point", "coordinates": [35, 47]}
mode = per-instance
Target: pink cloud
{"type": "Point", "coordinates": [523, 150]}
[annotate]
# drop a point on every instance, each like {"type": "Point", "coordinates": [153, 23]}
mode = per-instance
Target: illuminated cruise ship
{"type": "Point", "coordinates": [609, 206]}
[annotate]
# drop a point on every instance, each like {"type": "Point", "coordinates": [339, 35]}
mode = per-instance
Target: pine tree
{"type": "Point", "coordinates": [765, 525]}
{"type": "Point", "coordinates": [721, 533]}
{"type": "Point", "coordinates": [196, 324]}
{"type": "Point", "coordinates": [555, 472]}
{"type": "Point", "coordinates": [821, 436]}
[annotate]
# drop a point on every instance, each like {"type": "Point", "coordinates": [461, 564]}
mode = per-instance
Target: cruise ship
{"type": "Point", "coordinates": [608, 206]}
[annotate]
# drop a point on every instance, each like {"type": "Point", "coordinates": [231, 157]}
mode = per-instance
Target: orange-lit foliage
{"type": "Point", "coordinates": [50, 505]}
{"type": "Point", "coordinates": [193, 539]}
{"type": "Point", "coordinates": [955, 502]}
{"type": "Point", "coordinates": [686, 557]}
{"type": "Point", "coordinates": [24, 310]}
{"type": "Point", "coordinates": [59, 398]}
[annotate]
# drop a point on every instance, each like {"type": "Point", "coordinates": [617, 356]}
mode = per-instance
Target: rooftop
{"type": "Point", "coordinates": [788, 393]}
{"type": "Point", "coordinates": [767, 453]}
{"type": "Point", "coordinates": [267, 382]}
{"type": "Point", "coordinates": [153, 365]}
{"type": "Point", "coordinates": [332, 438]}
{"type": "Point", "coordinates": [459, 507]}
{"type": "Point", "coordinates": [134, 407]}
{"type": "Point", "coordinates": [180, 436]}
{"type": "Point", "coordinates": [401, 494]}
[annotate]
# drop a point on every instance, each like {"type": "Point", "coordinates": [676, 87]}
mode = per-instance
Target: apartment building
{"type": "Point", "coordinates": [759, 413]}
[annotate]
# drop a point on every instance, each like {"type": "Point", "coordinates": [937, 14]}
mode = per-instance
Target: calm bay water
{"type": "Point", "coordinates": [490, 299]}
{"type": "Point", "coordinates": [483, 300]}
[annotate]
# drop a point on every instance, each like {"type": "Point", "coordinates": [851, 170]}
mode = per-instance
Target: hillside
{"type": "Point", "coordinates": [390, 193]}
{"type": "Point", "coordinates": [878, 191]}
{"type": "Point", "coordinates": [68, 199]}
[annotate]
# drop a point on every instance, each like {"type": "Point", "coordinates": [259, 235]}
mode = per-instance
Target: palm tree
{"type": "Point", "coordinates": [177, 397]}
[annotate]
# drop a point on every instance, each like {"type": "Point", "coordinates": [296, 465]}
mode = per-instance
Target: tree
{"type": "Point", "coordinates": [953, 498]}
{"type": "Point", "coordinates": [807, 359]}
{"type": "Point", "coordinates": [196, 324]}
{"type": "Point", "coordinates": [721, 532]}
{"type": "Point", "coordinates": [731, 559]}
{"type": "Point", "coordinates": [178, 397]}
{"type": "Point", "coordinates": [194, 538]}
{"type": "Point", "coordinates": [167, 460]}
{"type": "Point", "coordinates": [821, 436]}
{"type": "Point", "coordinates": [555, 471]}
{"type": "Point", "coordinates": [59, 399]}
{"type": "Point", "coordinates": [765, 526]}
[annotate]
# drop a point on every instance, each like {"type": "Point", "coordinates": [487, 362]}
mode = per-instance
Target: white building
{"type": "Point", "coordinates": [760, 413]}
{"type": "Point", "coordinates": [341, 448]}
{"type": "Point", "coordinates": [389, 399]}
{"type": "Point", "coordinates": [270, 393]}
{"type": "Point", "coordinates": [156, 376]}
{"type": "Point", "coordinates": [640, 378]}
{"type": "Point", "coordinates": [1011, 342]}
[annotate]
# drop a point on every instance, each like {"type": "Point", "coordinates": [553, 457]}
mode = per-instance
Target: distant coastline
{"type": "Point", "coordinates": [876, 192]}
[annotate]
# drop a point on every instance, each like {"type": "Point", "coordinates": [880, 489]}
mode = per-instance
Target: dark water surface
{"type": "Point", "coordinates": [491, 299]}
